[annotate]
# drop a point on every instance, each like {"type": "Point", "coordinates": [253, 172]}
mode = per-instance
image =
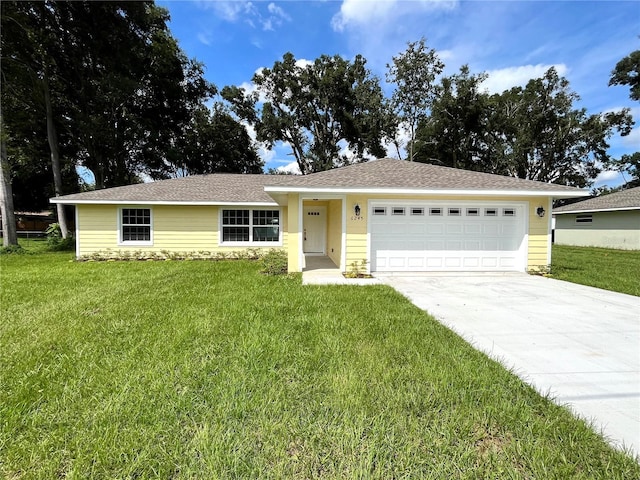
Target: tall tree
{"type": "Point", "coordinates": [314, 108]}
{"type": "Point", "coordinates": [9, 234]}
{"type": "Point", "coordinates": [627, 72]}
{"type": "Point", "coordinates": [453, 135]}
{"type": "Point", "coordinates": [216, 142]}
{"type": "Point", "coordinates": [414, 73]}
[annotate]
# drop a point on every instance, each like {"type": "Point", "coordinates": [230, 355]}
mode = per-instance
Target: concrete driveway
{"type": "Point", "coordinates": [581, 344]}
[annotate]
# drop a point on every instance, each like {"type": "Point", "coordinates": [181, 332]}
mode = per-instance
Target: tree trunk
{"type": "Point", "coordinates": [9, 235]}
{"type": "Point", "coordinates": [52, 136]}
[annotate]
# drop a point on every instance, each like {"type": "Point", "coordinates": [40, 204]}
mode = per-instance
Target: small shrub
{"type": "Point", "coordinates": [275, 262]}
{"type": "Point", "coordinates": [55, 242]}
{"type": "Point", "coordinates": [12, 250]}
{"type": "Point", "coordinates": [358, 269]}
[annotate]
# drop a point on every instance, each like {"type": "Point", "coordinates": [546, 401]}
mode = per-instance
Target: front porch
{"type": "Point", "coordinates": [321, 270]}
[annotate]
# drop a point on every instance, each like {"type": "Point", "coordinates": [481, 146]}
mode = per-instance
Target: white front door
{"type": "Point", "coordinates": [315, 224]}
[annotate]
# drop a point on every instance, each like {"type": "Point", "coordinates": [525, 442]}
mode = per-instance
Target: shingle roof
{"type": "Point", "coordinates": [220, 187]}
{"type": "Point", "coordinates": [399, 174]}
{"type": "Point", "coordinates": [626, 199]}
{"type": "Point", "coordinates": [380, 174]}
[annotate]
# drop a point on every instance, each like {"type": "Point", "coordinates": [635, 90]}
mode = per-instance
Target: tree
{"type": "Point", "coordinates": [9, 234]}
{"type": "Point", "coordinates": [628, 164]}
{"type": "Point", "coordinates": [627, 72]}
{"type": "Point", "coordinates": [414, 73]}
{"type": "Point", "coordinates": [453, 135]}
{"type": "Point", "coordinates": [315, 108]}
{"type": "Point", "coordinates": [216, 142]}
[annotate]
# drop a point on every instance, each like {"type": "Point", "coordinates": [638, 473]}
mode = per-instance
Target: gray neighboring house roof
{"type": "Point", "coordinates": [390, 175]}
{"type": "Point", "coordinates": [625, 200]}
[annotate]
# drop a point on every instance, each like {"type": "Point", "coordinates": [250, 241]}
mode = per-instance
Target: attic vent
{"type": "Point", "coordinates": [584, 218]}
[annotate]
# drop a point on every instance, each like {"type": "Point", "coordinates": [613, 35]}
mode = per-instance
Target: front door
{"type": "Point", "coordinates": [314, 223]}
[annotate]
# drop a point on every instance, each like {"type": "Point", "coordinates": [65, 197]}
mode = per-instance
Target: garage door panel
{"type": "Point", "coordinates": [470, 241]}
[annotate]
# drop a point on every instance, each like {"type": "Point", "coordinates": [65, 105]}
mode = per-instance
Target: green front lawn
{"type": "Point", "coordinates": [616, 270]}
{"type": "Point", "coordinates": [199, 369]}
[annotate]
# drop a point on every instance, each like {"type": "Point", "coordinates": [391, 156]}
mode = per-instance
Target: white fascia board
{"type": "Point", "coordinates": [592, 210]}
{"type": "Point", "coordinates": [158, 202]}
{"type": "Point", "coordinates": [417, 191]}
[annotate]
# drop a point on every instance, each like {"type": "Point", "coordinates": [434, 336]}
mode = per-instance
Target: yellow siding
{"type": "Point", "coordinates": [356, 231]}
{"type": "Point", "coordinates": [176, 228]}
{"type": "Point", "coordinates": [334, 233]}
{"type": "Point", "coordinates": [293, 243]}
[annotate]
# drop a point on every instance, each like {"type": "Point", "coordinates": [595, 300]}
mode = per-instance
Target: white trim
{"type": "Point", "coordinates": [301, 259]}
{"type": "Point", "coordinates": [122, 243]}
{"type": "Point", "coordinates": [420, 191]}
{"type": "Point", "coordinates": [591, 210]}
{"type": "Point", "coordinates": [160, 202]}
{"type": "Point", "coordinates": [250, 243]}
{"type": "Point", "coordinates": [343, 250]}
{"type": "Point", "coordinates": [77, 233]}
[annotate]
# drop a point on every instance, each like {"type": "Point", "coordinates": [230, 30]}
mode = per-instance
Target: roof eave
{"type": "Point", "coordinates": [426, 191]}
{"type": "Point", "coordinates": [157, 202]}
{"type": "Point", "coordinates": [595, 210]}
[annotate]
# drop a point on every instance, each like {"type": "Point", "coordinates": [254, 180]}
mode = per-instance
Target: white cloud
{"type": "Point", "coordinates": [505, 78]}
{"type": "Point", "coordinates": [363, 13]}
{"type": "Point", "coordinates": [290, 168]}
{"type": "Point", "coordinates": [204, 38]}
{"type": "Point", "coordinates": [633, 139]}
{"type": "Point", "coordinates": [237, 10]}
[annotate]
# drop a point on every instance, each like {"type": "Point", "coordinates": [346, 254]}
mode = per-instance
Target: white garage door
{"type": "Point", "coordinates": [450, 236]}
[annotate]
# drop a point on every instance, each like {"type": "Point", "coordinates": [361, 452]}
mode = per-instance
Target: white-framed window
{"type": "Point", "coordinates": [250, 226]}
{"type": "Point", "coordinates": [417, 211]}
{"type": "Point", "coordinates": [454, 212]}
{"type": "Point", "coordinates": [136, 226]}
{"type": "Point", "coordinates": [379, 211]}
{"type": "Point", "coordinates": [473, 212]}
{"type": "Point", "coordinates": [397, 211]}
{"type": "Point", "coordinates": [490, 212]}
{"type": "Point", "coordinates": [435, 211]}
{"type": "Point", "coordinates": [508, 212]}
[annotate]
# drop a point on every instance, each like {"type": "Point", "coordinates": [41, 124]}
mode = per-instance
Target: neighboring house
{"type": "Point", "coordinates": [611, 221]}
{"type": "Point", "coordinates": [398, 216]}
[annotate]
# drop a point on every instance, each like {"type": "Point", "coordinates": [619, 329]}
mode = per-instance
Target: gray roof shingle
{"type": "Point", "coordinates": [380, 174]}
{"type": "Point", "coordinates": [627, 199]}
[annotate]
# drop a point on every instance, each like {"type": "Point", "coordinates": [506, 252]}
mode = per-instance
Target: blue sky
{"type": "Point", "coordinates": [512, 41]}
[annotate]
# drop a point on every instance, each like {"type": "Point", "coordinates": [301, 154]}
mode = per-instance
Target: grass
{"type": "Point", "coordinates": [211, 370]}
{"type": "Point", "coordinates": [616, 270]}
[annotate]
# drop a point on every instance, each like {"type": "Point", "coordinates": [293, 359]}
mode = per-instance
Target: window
{"type": "Point", "coordinates": [584, 218]}
{"type": "Point", "coordinates": [379, 211]}
{"type": "Point", "coordinates": [250, 226]}
{"type": "Point", "coordinates": [435, 211]}
{"type": "Point", "coordinates": [417, 211]}
{"type": "Point", "coordinates": [454, 212]}
{"type": "Point", "coordinates": [473, 212]}
{"type": "Point", "coordinates": [490, 212]}
{"type": "Point", "coordinates": [135, 225]}
{"type": "Point", "coordinates": [397, 211]}
{"type": "Point", "coordinates": [508, 212]}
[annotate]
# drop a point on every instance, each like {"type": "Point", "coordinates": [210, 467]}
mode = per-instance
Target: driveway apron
{"type": "Point", "coordinates": [579, 344]}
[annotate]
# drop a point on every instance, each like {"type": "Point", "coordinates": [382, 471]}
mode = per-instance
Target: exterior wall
{"type": "Point", "coordinates": [538, 229]}
{"type": "Point", "coordinates": [294, 222]}
{"type": "Point", "coordinates": [334, 230]}
{"type": "Point", "coordinates": [176, 228]}
{"type": "Point", "coordinates": [608, 229]}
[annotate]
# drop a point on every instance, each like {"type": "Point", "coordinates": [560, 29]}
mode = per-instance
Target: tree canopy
{"type": "Point", "coordinates": [317, 108]}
